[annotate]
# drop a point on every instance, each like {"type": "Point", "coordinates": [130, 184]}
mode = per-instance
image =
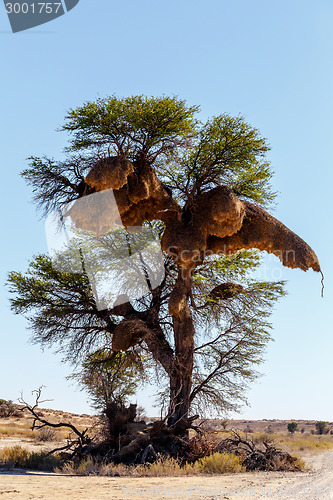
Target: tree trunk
{"type": "Point", "coordinates": [181, 374]}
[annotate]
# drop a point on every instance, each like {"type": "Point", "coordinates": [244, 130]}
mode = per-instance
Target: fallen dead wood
{"type": "Point", "coordinates": [268, 457]}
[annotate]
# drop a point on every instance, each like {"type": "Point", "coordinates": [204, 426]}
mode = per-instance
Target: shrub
{"type": "Point", "coordinates": [7, 408]}
{"type": "Point", "coordinates": [321, 427]}
{"type": "Point", "coordinates": [292, 427]}
{"type": "Point", "coordinates": [167, 467]}
{"type": "Point", "coordinates": [163, 467]}
{"type": "Point", "coordinates": [264, 437]}
{"type": "Point", "coordinates": [224, 424]}
{"type": "Point", "coordinates": [45, 434]}
{"type": "Point", "coordinates": [220, 463]}
{"type": "Point", "coordinates": [17, 456]}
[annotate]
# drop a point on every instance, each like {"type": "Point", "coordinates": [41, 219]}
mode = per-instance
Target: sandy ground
{"type": "Point", "coordinates": [314, 485]}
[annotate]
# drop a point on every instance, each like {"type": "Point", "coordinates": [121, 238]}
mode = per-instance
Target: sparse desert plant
{"type": "Point", "coordinates": [264, 437]}
{"type": "Point", "coordinates": [220, 463]}
{"type": "Point", "coordinates": [18, 457]}
{"type": "Point", "coordinates": [167, 467]}
{"type": "Point", "coordinates": [45, 434]}
{"type": "Point", "coordinates": [248, 429]}
{"type": "Point", "coordinates": [163, 467]}
{"type": "Point", "coordinates": [306, 444]}
{"type": "Point", "coordinates": [7, 408]}
{"type": "Point", "coordinates": [292, 427]}
{"type": "Point", "coordinates": [224, 424]}
{"type": "Point", "coordinates": [19, 431]}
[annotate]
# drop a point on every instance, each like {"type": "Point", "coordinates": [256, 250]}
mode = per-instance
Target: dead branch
{"type": "Point", "coordinates": [76, 445]}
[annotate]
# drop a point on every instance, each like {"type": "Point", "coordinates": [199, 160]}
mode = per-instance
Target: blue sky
{"type": "Point", "coordinates": [269, 61]}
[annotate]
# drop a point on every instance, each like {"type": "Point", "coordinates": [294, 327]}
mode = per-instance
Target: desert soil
{"type": "Point", "coordinates": [316, 484]}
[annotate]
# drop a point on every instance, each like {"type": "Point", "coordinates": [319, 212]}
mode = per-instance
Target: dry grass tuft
{"type": "Point", "coordinates": [220, 463]}
{"type": "Point", "coordinates": [310, 444]}
{"type": "Point", "coordinates": [18, 457]}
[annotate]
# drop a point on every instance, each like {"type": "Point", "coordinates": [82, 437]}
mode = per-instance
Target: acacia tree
{"type": "Point", "coordinates": [111, 377]}
{"type": "Point", "coordinates": [208, 185]}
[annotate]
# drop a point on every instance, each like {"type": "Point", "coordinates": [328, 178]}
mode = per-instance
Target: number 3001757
{"type": "Point", "coordinates": [33, 8]}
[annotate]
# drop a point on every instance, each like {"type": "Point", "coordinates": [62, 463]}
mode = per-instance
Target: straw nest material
{"type": "Point", "coordinates": [97, 213]}
{"type": "Point", "coordinates": [218, 212]}
{"type": "Point", "coordinates": [225, 291]}
{"type": "Point", "coordinates": [138, 192]}
{"type": "Point", "coordinates": [127, 334]}
{"type": "Point", "coordinates": [261, 230]}
{"type": "Point", "coordinates": [110, 173]}
{"type": "Point", "coordinates": [216, 222]}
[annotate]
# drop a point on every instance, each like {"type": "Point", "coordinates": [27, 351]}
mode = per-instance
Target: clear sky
{"type": "Point", "coordinates": [271, 62]}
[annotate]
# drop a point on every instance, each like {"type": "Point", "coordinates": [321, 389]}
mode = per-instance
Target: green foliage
{"type": "Point", "coordinates": [292, 427]}
{"type": "Point", "coordinates": [190, 157]}
{"type": "Point", "coordinates": [225, 151]}
{"type": "Point", "coordinates": [133, 126]}
{"type": "Point", "coordinates": [109, 376]}
{"type": "Point", "coordinates": [60, 307]}
{"type": "Point", "coordinates": [231, 335]}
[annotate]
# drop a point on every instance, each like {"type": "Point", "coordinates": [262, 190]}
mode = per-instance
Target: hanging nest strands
{"type": "Point", "coordinates": [216, 222]}
{"type": "Point", "coordinates": [261, 230]}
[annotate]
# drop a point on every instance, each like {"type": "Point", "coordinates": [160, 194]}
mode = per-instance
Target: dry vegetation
{"type": "Point", "coordinates": [18, 426]}
{"type": "Point", "coordinates": [20, 447]}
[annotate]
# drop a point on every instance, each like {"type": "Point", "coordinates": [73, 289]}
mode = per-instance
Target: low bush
{"type": "Point", "coordinates": [18, 457]}
{"type": "Point", "coordinates": [161, 468]}
{"type": "Point", "coordinates": [7, 408]}
{"type": "Point", "coordinates": [220, 463]}
{"type": "Point", "coordinates": [45, 434]}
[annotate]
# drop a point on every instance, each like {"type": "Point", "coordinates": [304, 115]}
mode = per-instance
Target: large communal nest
{"type": "Point", "coordinates": [127, 334]}
{"type": "Point", "coordinates": [261, 230]}
{"type": "Point", "coordinates": [139, 194]}
{"type": "Point", "coordinates": [110, 173]}
{"type": "Point", "coordinates": [216, 221]}
{"type": "Point", "coordinates": [217, 212]}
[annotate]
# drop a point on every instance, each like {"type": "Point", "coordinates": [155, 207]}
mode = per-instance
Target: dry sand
{"type": "Point", "coordinates": [314, 485]}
